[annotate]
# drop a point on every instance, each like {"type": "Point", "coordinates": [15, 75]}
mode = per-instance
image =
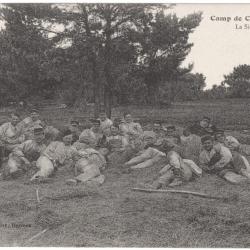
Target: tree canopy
{"type": "Point", "coordinates": [238, 82]}
{"type": "Point", "coordinates": [103, 53]}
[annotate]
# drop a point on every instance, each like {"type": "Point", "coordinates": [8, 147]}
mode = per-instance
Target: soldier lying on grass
{"type": "Point", "coordinates": [149, 156]}
{"type": "Point", "coordinates": [58, 154]}
{"type": "Point", "coordinates": [25, 155]}
{"type": "Point", "coordinates": [88, 168]}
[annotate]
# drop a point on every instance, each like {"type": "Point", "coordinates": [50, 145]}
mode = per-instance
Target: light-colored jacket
{"type": "Point", "coordinates": [105, 126]}
{"type": "Point", "coordinates": [10, 134]}
{"type": "Point", "coordinates": [132, 128]}
{"type": "Point", "coordinates": [117, 143]}
{"type": "Point", "coordinates": [191, 147]}
{"type": "Point", "coordinates": [27, 126]}
{"type": "Point", "coordinates": [90, 137]}
{"type": "Point", "coordinates": [206, 156]}
{"type": "Point", "coordinates": [57, 151]}
{"type": "Point", "coordinates": [29, 149]}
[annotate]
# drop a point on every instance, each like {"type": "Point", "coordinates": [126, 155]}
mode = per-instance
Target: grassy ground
{"type": "Point", "coordinates": [113, 215]}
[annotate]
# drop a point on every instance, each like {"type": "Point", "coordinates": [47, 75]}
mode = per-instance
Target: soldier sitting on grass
{"type": "Point", "coordinates": [238, 158]}
{"type": "Point", "coordinates": [96, 139]}
{"type": "Point", "coordinates": [204, 127]}
{"type": "Point", "coordinates": [215, 158]}
{"type": "Point", "coordinates": [177, 170]}
{"type": "Point", "coordinates": [159, 130]}
{"type": "Point", "coordinates": [30, 122]}
{"type": "Point", "coordinates": [130, 128]}
{"type": "Point", "coordinates": [232, 143]}
{"type": "Point", "coordinates": [118, 147]}
{"type": "Point", "coordinates": [11, 134]}
{"type": "Point", "coordinates": [74, 128]}
{"type": "Point", "coordinates": [172, 135]}
{"type": "Point", "coordinates": [191, 145]}
{"type": "Point", "coordinates": [105, 123]}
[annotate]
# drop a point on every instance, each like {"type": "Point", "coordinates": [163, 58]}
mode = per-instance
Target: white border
{"type": "Point", "coordinates": [124, 1]}
{"type": "Point", "coordinates": [131, 1]}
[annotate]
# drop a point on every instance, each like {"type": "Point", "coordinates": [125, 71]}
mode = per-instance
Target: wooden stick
{"type": "Point", "coordinates": [37, 195]}
{"type": "Point", "coordinates": [37, 235]}
{"type": "Point", "coordinates": [178, 192]}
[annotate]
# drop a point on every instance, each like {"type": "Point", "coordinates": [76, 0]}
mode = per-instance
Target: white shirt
{"type": "Point", "coordinates": [11, 134]}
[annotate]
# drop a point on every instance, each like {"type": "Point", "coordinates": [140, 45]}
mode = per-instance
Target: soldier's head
{"type": "Point", "coordinates": [117, 121]}
{"type": "Point", "coordinates": [74, 125]}
{"type": "Point", "coordinates": [232, 143]}
{"type": "Point", "coordinates": [128, 117]}
{"type": "Point", "coordinates": [67, 137]}
{"type": "Point", "coordinates": [207, 142]}
{"type": "Point", "coordinates": [220, 136]}
{"type": "Point", "coordinates": [114, 130]}
{"type": "Point", "coordinates": [95, 125]}
{"type": "Point", "coordinates": [186, 132]}
{"type": "Point", "coordinates": [205, 122]}
{"type": "Point", "coordinates": [166, 146]}
{"type": "Point", "coordinates": [38, 134]}
{"type": "Point", "coordinates": [149, 138]}
{"type": "Point", "coordinates": [103, 116]}
{"type": "Point", "coordinates": [34, 115]}
{"type": "Point", "coordinates": [171, 130]}
{"type": "Point", "coordinates": [157, 126]}
{"type": "Point", "coordinates": [15, 118]}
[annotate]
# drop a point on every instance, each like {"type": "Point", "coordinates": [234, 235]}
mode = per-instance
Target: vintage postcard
{"type": "Point", "coordinates": [124, 125]}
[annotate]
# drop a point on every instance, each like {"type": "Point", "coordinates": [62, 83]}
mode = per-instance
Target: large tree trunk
{"type": "Point", "coordinates": [107, 87]}
{"type": "Point", "coordinates": [95, 73]}
{"type": "Point", "coordinates": [153, 94]}
{"type": "Point", "coordinates": [107, 70]}
{"type": "Point", "coordinates": [97, 102]}
{"type": "Point", "coordinates": [152, 83]}
{"type": "Point", "coordinates": [97, 87]}
{"type": "Point", "coordinates": [107, 101]}
{"type": "Point", "coordinates": [81, 98]}
{"type": "Point", "coordinates": [173, 93]}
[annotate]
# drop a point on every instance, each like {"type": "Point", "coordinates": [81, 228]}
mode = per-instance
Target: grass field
{"type": "Point", "coordinates": [114, 216]}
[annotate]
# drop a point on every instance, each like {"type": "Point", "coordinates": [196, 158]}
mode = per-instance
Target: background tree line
{"type": "Point", "coordinates": [109, 54]}
{"type": "Point", "coordinates": [235, 85]}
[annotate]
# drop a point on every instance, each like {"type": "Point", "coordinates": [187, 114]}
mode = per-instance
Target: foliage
{"type": "Point", "coordinates": [216, 92]}
{"type": "Point", "coordinates": [23, 53]}
{"type": "Point", "coordinates": [235, 84]}
{"type": "Point", "coordinates": [238, 81]}
{"type": "Point", "coordinates": [187, 87]}
{"type": "Point", "coordinates": [106, 53]}
{"type": "Point", "coordinates": [163, 43]}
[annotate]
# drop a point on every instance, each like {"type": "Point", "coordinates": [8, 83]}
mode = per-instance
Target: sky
{"type": "Point", "coordinates": [218, 45]}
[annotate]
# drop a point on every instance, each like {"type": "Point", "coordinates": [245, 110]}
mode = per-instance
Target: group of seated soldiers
{"type": "Point", "coordinates": [30, 144]}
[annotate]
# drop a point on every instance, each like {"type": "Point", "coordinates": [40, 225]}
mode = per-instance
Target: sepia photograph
{"type": "Point", "coordinates": [124, 125]}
